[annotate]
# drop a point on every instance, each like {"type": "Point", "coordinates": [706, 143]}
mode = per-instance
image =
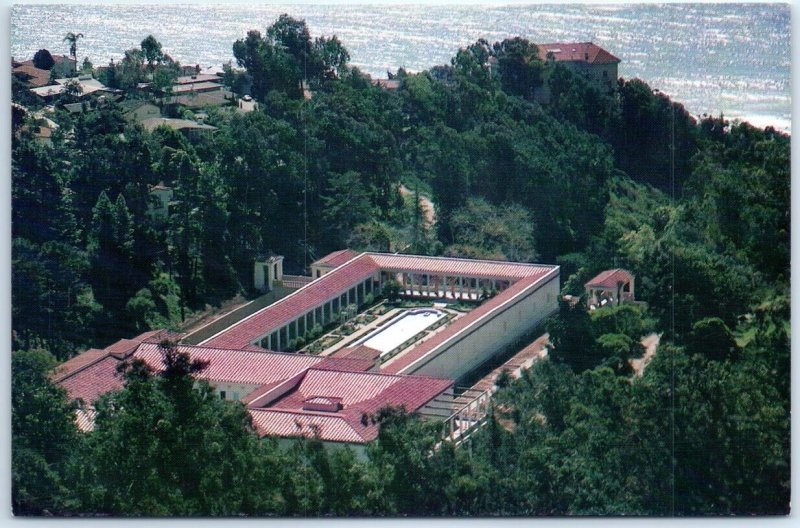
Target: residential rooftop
{"type": "Point", "coordinates": [576, 51]}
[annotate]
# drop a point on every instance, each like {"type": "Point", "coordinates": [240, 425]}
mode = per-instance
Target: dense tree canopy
{"type": "Point", "coordinates": [697, 211]}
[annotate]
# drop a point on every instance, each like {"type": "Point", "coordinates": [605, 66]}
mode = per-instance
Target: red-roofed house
{"type": "Point", "coordinates": [613, 286]}
{"type": "Point", "coordinates": [583, 57]}
{"type": "Point", "coordinates": [31, 75]}
{"type": "Point", "coordinates": [37, 77]}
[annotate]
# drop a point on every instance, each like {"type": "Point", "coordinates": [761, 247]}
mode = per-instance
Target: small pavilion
{"type": "Point", "coordinates": [610, 287]}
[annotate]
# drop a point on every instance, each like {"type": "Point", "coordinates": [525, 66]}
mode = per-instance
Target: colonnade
{"type": "Point", "coordinates": [426, 285]}
{"type": "Point", "coordinates": [447, 286]}
{"type": "Point", "coordinates": [320, 315]}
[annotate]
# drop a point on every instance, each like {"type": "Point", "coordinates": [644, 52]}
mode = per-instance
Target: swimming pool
{"type": "Point", "coordinates": [401, 329]}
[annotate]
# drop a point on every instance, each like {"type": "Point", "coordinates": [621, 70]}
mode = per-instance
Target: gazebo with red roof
{"type": "Point", "coordinates": [614, 286]}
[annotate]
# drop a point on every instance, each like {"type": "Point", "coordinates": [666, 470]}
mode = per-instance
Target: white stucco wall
{"type": "Point", "coordinates": [233, 391]}
{"type": "Point", "coordinates": [499, 329]}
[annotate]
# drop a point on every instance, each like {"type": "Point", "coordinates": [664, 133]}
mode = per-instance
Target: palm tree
{"type": "Point", "coordinates": [72, 38]}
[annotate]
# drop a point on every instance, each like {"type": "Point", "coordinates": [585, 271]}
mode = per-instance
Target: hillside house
{"type": "Point", "coordinates": [160, 198]}
{"type": "Point", "coordinates": [610, 287]}
{"type": "Point", "coordinates": [36, 77]}
{"type": "Point", "coordinates": [191, 129]}
{"type": "Point", "coordinates": [583, 58]}
{"type": "Point", "coordinates": [391, 85]}
{"type": "Point", "coordinates": [137, 111]}
{"type": "Point", "coordinates": [88, 85]}
{"type": "Point", "coordinates": [247, 104]}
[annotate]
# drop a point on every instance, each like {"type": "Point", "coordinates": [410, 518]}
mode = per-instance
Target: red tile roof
{"type": "Point", "coordinates": [284, 382]}
{"type": "Point", "coordinates": [488, 269]}
{"type": "Point", "coordinates": [93, 381]}
{"type": "Point", "coordinates": [609, 278]}
{"type": "Point", "coordinates": [337, 258]}
{"type": "Point", "coordinates": [330, 427]}
{"type": "Point", "coordinates": [32, 75]}
{"type": "Point", "coordinates": [119, 350]}
{"type": "Point", "coordinates": [351, 387]}
{"type": "Point", "coordinates": [359, 394]}
{"type": "Point", "coordinates": [259, 392]}
{"type": "Point", "coordinates": [311, 296]}
{"type": "Point", "coordinates": [123, 348]}
{"type": "Point", "coordinates": [577, 51]}
{"type": "Point", "coordinates": [361, 352]}
{"type": "Point", "coordinates": [356, 270]}
{"type": "Point", "coordinates": [387, 84]}
{"type": "Point", "coordinates": [247, 368]}
{"type": "Point", "coordinates": [92, 355]}
{"type": "Point", "coordinates": [350, 364]}
{"type": "Point", "coordinates": [37, 77]}
{"type": "Point", "coordinates": [59, 59]}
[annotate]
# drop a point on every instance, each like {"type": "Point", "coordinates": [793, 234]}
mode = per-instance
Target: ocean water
{"type": "Point", "coordinates": [714, 58]}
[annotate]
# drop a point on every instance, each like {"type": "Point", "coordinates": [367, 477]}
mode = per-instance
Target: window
{"type": "Point", "coordinates": [222, 394]}
{"type": "Point", "coordinates": [236, 396]}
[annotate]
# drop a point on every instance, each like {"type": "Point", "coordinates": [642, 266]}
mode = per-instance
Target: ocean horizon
{"type": "Point", "coordinates": [731, 59]}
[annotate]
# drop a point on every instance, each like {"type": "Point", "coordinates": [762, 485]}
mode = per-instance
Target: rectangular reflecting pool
{"type": "Point", "coordinates": [401, 329]}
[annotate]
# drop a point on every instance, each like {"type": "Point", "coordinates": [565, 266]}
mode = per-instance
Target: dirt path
{"type": "Point", "coordinates": [427, 205]}
{"type": "Point", "coordinates": [650, 344]}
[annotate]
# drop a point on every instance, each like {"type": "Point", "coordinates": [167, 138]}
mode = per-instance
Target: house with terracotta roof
{"type": "Point", "coordinates": [583, 58]}
{"type": "Point", "coordinates": [31, 75]}
{"type": "Point", "coordinates": [391, 85]}
{"type": "Point", "coordinates": [610, 287]}
{"type": "Point", "coordinates": [35, 77]}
